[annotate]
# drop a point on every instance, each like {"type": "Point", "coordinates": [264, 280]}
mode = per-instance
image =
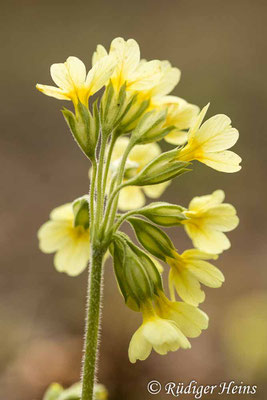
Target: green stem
{"type": "Point", "coordinates": [92, 322]}
{"type": "Point", "coordinates": [100, 193]}
{"type": "Point", "coordinates": [122, 218]}
{"type": "Point", "coordinates": [113, 200]}
{"type": "Point", "coordinates": [110, 150]}
{"type": "Point", "coordinates": [92, 196]}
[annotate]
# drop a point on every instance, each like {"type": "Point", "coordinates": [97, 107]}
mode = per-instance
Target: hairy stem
{"type": "Point", "coordinates": [92, 197]}
{"type": "Point", "coordinates": [92, 323]}
{"type": "Point", "coordinates": [100, 194]}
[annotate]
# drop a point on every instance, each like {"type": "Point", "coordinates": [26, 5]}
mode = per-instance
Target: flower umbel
{"type": "Point", "coordinates": [136, 101]}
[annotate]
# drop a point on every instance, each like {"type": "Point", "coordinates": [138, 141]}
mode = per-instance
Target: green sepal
{"type": "Point", "coordinates": [150, 128]}
{"type": "Point", "coordinates": [113, 107]}
{"type": "Point", "coordinates": [152, 238]}
{"type": "Point", "coordinates": [132, 115]}
{"type": "Point", "coordinates": [80, 208]}
{"type": "Point", "coordinates": [161, 169]}
{"type": "Point", "coordinates": [164, 214]}
{"type": "Point", "coordinates": [135, 283]}
{"type": "Point", "coordinates": [147, 262]}
{"type": "Point", "coordinates": [84, 127]}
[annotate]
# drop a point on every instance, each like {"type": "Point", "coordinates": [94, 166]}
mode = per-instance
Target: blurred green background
{"type": "Point", "coordinates": [220, 47]}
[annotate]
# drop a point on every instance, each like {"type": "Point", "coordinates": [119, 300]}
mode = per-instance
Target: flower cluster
{"type": "Point", "coordinates": [120, 134]}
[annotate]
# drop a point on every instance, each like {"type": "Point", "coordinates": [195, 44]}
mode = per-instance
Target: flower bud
{"type": "Point", "coordinates": [152, 238]}
{"type": "Point", "coordinates": [163, 168]}
{"type": "Point", "coordinates": [150, 128]}
{"type": "Point", "coordinates": [84, 127]}
{"type": "Point", "coordinates": [53, 392]}
{"type": "Point", "coordinates": [164, 214]}
{"type": "Point", "coordinates": [80, 208]}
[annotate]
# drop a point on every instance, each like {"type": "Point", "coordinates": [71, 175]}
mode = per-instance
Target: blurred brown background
{"type": "Point", "coordinates": [220, 47]}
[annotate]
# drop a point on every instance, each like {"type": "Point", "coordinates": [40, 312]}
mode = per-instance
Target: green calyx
{"type": "Point", "coordinates": [152, 238]}
{"type": "Point", "coordinates": [80, 208]}
{"type": "Point", "coordinates": [136, 274]}
{"type": "Point", "coordinates": [84, 127]}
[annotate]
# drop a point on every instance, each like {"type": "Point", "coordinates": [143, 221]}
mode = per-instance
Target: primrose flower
{"type": "Point", "coordinates": [160, 334]}
{"type": "Point", "coordinates": [133, 196]}
{"type": "Point", "coordinates": [190, 269]}
{"type": "Point", "coordinates": [209, 143]}
{"type": "Point", "coordinates": [138, 75]}
{"type": "Point", "coordinates": [180, 114]}
{"type": "Point", "coordinates": [73, 82]}
{"type": "Point", "coordinates": [208, 217]}
{"type": "Point", "coordinates": [191, 320]}
{"type": "Point", "coordinates": [69, 242]}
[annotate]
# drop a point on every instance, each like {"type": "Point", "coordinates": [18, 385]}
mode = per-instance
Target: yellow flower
{"type": "Point", "coordinates": [160, 334]}
{"type": "Point", "coordinates": [190, 320]}
{"type": "Point", "coordinates": [180, 114]}
{"type": "Point", "coordinates": [72, 81]}
{"type": "Point", "coordinates": [209, 143]}
{"type": "Point", "coordinates": [207, 219]}
{"type": "Point", "coordinates": [137, 74]}
{"type": "Point", "coordinates": [132, 196]}
{"type": "Point", "coordinates": [190, 269]}
{"type": "Point", "coordinates": [70, 243]}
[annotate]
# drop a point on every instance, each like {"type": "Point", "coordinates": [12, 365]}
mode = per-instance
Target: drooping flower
{"type": "Point", "coordinates": [156, 333]}
{"type": "Point", "coordinates": [208, 217]}
{"type": "Point", "coordinates": [180, 114]}
{"type": "Point", "coordinates": [209, 143]}
{"type": "Point", "coordinates": [188, 270]}
{"type": "Point", "coordinates": [133, 196]}
{"type": "Point", "coordinates": [69, 242]}
{"type": "Point", "coordinates": [73, 82]}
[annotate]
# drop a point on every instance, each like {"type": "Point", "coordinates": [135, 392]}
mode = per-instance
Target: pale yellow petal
{"type": "Point", "coordinates": [224, 161]}
{"type": "Point", "coordinates": [130, 198]}
{"type": "Point", "coordinates": [200, 203]}
{"type": "Point", "coordinates": [60, 75]}
{"type": "Point", "coordinates": [99, 54]}
{"type": "Point", "coordinates": [145, 76]}
{"type": "Point", "coordinates": [54, 235]}
{"type": "Point", "coordinates": [206, 273]}
{"type": "Point", "coordinates": [61, 213]}
{"type": "Point", "coordinates": [127, 55]}
{"type": "Point", "coordinates": [170, 78]}
{"type": "Point", "coordinates": [155, 191]}
{"type": "Point", "coordinates": [198, 122]}
{"type": "Point", "coordinates": [176, 137]}
{"type": "Point", "coordinates": [216, 134]}
{"type": "Point", "coordinates": [77, 71]}
{"type": "Point", "coordinates": [73, 258]}
{"type": "Point", "coordinates": [144, 153]}
{"type": "Point", "coordinates": [222, 217]}
{"type": "Point", "coordinates": [52, 92]}
{"type": "Point", "coordinates": [187, 286]}
{"type": "Point", "coordinates": [139, 348]}
{"type": "Point", "coordinates": [99, 74]}
{"type": "Point", "coordinates": [119, 148]}
{"type": "Point", "coordinates": [208, 240]}
{"type": "Point", "coordinates": [191, 320]}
